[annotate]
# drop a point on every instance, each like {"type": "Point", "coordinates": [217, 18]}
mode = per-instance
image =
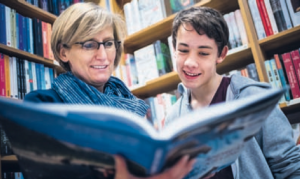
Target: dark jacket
{"type": "Point", "coordinates": [43, 96]}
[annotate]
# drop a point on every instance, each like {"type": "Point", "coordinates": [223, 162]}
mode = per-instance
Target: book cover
{"type": "Point", "coordinates": [78, 141]}
{"type": "Point", "coordinates": [163, 58]}
{"type": "Point", "coordinates": [277, 11]}
{"type": "Point", "coordinates": [291, 75]}
{"type": "Point", "coordinates": [177, 5]}
{"type": "Point", "coordinates": [3, 27]}
{"type": "Point", "coordinates": [296, 62]}
{"type": "Point", "coordinates": [260, 31]}
{"type": "Point", "coordinates": [7, 76]}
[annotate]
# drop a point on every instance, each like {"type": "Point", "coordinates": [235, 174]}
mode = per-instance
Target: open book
{"type": "Point", "coordinates": [77, 141]}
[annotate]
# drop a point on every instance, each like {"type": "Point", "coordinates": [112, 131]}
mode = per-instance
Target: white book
{"type": "Point", "coordinates": [26, 68]}
{"type": "Point", "coordinates": [151, 12]}
{"type": "Point", "coordinates": [33, 68]}
{"type": "Point", "coordinates": [8, 25]}
{"type": "Point", "coordinates": [271, 16]}
{"type": "Point", "coordinates": [137, 19]}
{"type": "Point", "coordinates": [128, 17]}
{"type": "Point", "coordinates": [241, 26]}
{"type": "Point", "coordinates": [15, 80]}
{"type": "Point", "coordinates": [11, 74]}
{"type": "Point", "coordinates": [232, 41]}
{"type": "Point", "coordinates": [146, 64]}
{"type": "Point", "coordinates": [13, 28]}
{"type": "Point", "coordinates": [294, 12]}
{"type": "Point", "coordinates": [235, 29]}
{"type": "Point", "coordinates": [47, 78]}
{"type": "Point", "coordinates": [260, 31]}
{"type": "Point", "coordinates": [286, 14]}
{"type": "Point", "coordinates": [172, 52]}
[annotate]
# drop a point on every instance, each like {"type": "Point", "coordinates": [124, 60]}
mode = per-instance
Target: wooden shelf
{"type": "Point", "coordinates": [29, 10]}
{"type": "Point", "coordinates": [281, 41]}
{"type": "Point", "coordinates": [28, 56]}
{"type": "Point", "coordinates": [292, 110]}
{"type": "Point", "coordinates": [9, 158]}
{"type": "Point", "coordinates": [162, 29]}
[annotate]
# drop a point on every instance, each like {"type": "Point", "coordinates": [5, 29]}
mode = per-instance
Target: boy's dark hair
{"type": "Point", "coordinates": [204, 20]}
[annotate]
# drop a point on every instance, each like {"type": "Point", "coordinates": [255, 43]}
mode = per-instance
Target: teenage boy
{"type": "Point", "coordinates": [200, 38]}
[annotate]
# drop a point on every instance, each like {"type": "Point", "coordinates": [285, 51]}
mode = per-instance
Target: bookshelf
{"type": "Point", "coordinates": [256, 51]}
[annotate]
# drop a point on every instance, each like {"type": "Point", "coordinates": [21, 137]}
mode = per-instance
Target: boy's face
{"type": "Point", "coordinates": [196, 57]}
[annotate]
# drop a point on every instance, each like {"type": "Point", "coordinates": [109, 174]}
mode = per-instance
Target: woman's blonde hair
{"type": "Point", "coordinates": [81, 22]}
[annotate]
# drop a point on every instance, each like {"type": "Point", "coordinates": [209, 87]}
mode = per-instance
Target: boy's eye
{"type": "Point", "coordinates": [183, 51]}
{"type": "Point", "coordinates": [204, 54]}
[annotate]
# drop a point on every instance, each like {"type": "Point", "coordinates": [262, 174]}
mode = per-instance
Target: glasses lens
{"type": "Point", "coordinates": [90, 45]}
{"type": "Point", "coordinates": [109, 44]}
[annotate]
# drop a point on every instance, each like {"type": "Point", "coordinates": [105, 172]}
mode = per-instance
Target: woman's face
{"type": "Point", "coordinates": [91, 65]}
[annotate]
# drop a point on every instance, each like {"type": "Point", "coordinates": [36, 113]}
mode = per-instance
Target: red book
{"type": "Point", "coordinates": [2, 76]}
{"type": "Point", "coordinates": [267, 19]}
{"type": "Point", "coordinates": [296, 62]}
{"type": "Point", "coordinates": [263, 18]}
{"type": "Point", "coordinates": [45, 39]}
{"type": "Point", "coordinates": [290, 73]}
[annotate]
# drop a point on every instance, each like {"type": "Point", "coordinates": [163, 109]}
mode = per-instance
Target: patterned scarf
{"type": "Point", "coordinates": [74, 91]}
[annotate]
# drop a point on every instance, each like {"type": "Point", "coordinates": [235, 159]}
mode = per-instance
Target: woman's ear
{"type": "Point", "coordinates": [63, 54]}
{"type": "Point", "coordinates": [223, 55]}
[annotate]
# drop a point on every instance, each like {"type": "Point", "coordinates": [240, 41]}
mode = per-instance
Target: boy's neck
{"type": "Point", "coordinates": [202, 97]}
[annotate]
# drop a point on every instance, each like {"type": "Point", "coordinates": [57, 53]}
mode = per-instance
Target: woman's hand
{"type": "Point", "coordinates": [178, 171]}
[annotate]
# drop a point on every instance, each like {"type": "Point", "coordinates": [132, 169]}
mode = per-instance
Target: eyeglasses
{"type": "Point", "coordinates": [92, 45]}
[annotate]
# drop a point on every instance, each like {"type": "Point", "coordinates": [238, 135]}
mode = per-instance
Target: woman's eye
{"type": "Point", "coordinates": [89, 45]}
{"type": "Point", "coordinates": [109, 44]}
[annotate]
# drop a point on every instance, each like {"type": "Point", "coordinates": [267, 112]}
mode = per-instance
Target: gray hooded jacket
{"type": "Point", "coordinates": [272, 153]}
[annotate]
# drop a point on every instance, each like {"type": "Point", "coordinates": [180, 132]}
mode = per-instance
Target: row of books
{"type": "Point", "coordinates": [19, 76]}
{"type": "Point", "coordinates": [237, 32]}
{"type": "Point", "coordinates": [148, 63]}
{"type": "Point", "coordinates": [30, 35]}
{"type": "Point", "coordinates": [53, 6]}
{"type": "Point", "coordinates": [159, 106]}
{"type": "Point", "coordinates": [12, 175]}
{"type": "Point", "coordinates": [273, 16]}
{"type": "Point", "coordinates": [140, 14]}
{"type": "Point", "coordinates": [282, 70]}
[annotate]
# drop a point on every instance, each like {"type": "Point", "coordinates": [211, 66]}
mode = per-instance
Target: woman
{"type": "Point", "coordinates": [86, 41]}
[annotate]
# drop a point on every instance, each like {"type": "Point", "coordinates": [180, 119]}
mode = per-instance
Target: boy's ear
{"type": "Point", "coordinates": [63, 54]}
{"type": "Point", "coordinates": [223, 55]}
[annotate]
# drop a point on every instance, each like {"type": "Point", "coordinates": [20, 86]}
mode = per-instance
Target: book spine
{"type": "Point", "coordinates": [290, 71]}
{"type": "Point", "coordinates": [277, 15]}
{"type": "Point", "coordinates": [282, 76]}
{"type": "Point", "coordinates": [271, 16]}
{"type": "Point", "coordinates": [3, 26]}
{"type": "Point", "coordinates": [7, 76]}
{"type": "Point", "coordinates": [286, 15]}
{"type": "Point", "coordinates": [266, 16]}
{"type": "Point", "coordinates": [241, 26]}
{"type": "Point", "coordinates": [252, 71]}
{"type": "Point", "coordinates": [294, 11]}
{"type": "Point", "coordinates": [20, 31]}
{"type": "Point", "coordinates": [11, 77]}
{"type": "Point", "coordinates": [2, 76]}
{"type": "Point", "coordinates": [16, 78]}
{"type": "Point", "coordinates": [262, 16]}
{"type": "Point", "coordinates": [8, 25]}
{"type": "Point", "coordinates": [296, 62]}
{"type": "Point", "coordinates": [256, 19]}
{"type": "Point", "coordinates": [276, 77]}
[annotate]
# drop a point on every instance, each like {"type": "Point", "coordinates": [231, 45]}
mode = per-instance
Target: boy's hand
{"type": "Point", "coordinates": [178, 171]}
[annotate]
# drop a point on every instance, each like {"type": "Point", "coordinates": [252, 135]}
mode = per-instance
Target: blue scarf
{"type": "Point", "coordinates": [74, 91]}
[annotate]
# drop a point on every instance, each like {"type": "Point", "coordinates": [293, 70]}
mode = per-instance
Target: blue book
{"type": "Point", "coordinates": [42, 72]}
{"type": "Point", "coordinates": [20, 32]}
{"type": "Point", "coordinates": [3, 24]}
{"type": "Point", "coordinates": [79, 141]}
{"type": "Point", "coordinates": [17, 31]}
{"type": "Point", "coordinates": [51, 76]}
{"type": "Point", "coordinates": [38, 76]}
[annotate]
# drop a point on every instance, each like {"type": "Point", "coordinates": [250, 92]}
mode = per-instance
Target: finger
{"type": "Point", "coordinates": [180, 169]}
{"type": "Point", "coordinates": [121, 168]}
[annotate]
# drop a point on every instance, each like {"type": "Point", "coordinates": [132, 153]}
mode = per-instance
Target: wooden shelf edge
{"type": "Point", "coordinates": [9, 158]}
{"type": "Point", "coordinates": [281, 35]}
{"type": "Point", "coordinates": [28, 56]}
{"type": "Point", "coordinates": [30, 10]}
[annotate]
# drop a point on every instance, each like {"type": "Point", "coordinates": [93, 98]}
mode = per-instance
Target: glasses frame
{"type": "Point", "coordinates": [117, 43]}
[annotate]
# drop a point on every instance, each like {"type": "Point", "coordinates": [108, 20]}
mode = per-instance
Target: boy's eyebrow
{"type": "Point", "coordinates": [201, 46]}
